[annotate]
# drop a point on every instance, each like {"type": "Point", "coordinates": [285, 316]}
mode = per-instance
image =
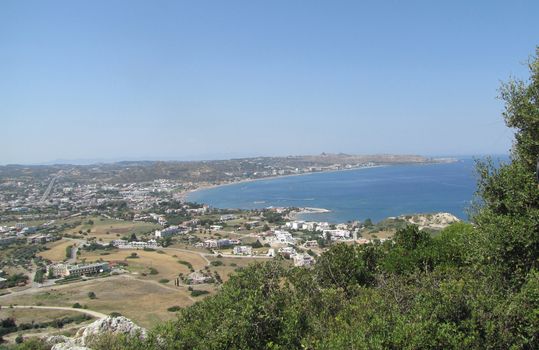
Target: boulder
{"type": "Point", "coordinates": [107, 325]}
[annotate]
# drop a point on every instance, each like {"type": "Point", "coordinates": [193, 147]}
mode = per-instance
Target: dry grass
{"type": "Point", "coordinates": [145, 302]}
{"type": "Point", "coordinates": [35, 315]}
{"type": "Point", "coordinates": [107, 230]}
{"type": "Point", "coordinates": [165, 263]}
{"type": "Point", "coordinates": [57, 250]}
{"type": "Point", "coordinates": [230, 265]}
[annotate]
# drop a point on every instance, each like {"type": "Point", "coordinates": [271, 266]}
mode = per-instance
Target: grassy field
{"type": "Point", "coordinates": [230, 265]}
{"type": "Point", "coordinates": [57, 250]}
{"type": "Point", "coordinates": [106, 230]}
{"type": "Point", "coordinates": [39, 316]}
{"type": "Point", "coordinates": [165, 263]}
{"type": "Point", "coordinates": [35, 315]}
{"type": "Point", "coordinates": [145, 302]}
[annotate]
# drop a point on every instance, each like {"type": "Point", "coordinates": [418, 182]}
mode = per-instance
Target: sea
{"type": "Point", "coordinates": [375, 193]}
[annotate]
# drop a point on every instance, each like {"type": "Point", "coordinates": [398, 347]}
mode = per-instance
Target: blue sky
{"type": "Point", "coordinates": [114, 80]}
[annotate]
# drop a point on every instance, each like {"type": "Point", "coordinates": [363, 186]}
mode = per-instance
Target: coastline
{"type": "Point", "coordinates": [183, 196]}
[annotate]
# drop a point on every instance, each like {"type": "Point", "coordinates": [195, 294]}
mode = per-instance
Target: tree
{"type": "Point", "coordinates": [411, 237]}
{"type": "Point", "coordinates": [508, 219]}
{"type": "Point", "coordinates": [91, 295]}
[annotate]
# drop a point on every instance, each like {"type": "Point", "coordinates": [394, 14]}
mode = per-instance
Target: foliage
{"type": "Point", "coordinates": [473, 286]}
{"type": "Point", "coordinates": [197, 293]}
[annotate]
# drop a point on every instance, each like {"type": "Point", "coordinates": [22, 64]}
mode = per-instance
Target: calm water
{"type": "Point", "coordinates": [374, 193]}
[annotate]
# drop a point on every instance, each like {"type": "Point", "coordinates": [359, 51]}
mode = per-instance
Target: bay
{"type": "Point", "coordinates": [375, 193]}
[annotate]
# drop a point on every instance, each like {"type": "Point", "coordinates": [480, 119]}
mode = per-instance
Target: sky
{"type": "Point", "coordinates": [122, 80]}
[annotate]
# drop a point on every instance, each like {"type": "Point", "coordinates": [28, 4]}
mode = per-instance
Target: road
{"type": "Point", "coordinates": [83, 311]}
{"type": "Point", "coordinates": [49, 189]}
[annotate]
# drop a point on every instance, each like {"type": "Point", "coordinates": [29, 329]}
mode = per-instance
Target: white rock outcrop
{"type": "Point", "coordinates": [436, 221]}
{"type": "Point", "coordinates": [107, 325]}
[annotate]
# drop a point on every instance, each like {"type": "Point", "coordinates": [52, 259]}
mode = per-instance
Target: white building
{"type": "Point", "coordinates": [337, 234]}
{"type": "Point", "coordinates": [167, 232]}
{"type": "Point", "coordinates": [287, 252]}
{"type": "Point", "coordinates": [243, 250]}
{"type": "Point", "coordinates": [303, 260]}
{"type": "Point", "coordinates": [63, 270]}
{"type": "Point", "coordinates": [284, 237]}
{"type": "Point", "coordinates": [295, 225]}
{"type": "Point", "coordinates": [139, 245]}
{"type": "Point", "coordinates": [228, 217]}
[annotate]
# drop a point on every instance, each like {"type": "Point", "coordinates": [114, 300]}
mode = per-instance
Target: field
{"type": "Point", "coordinates": [40, 316]}
{"type": "Point", "coordinates": [34, 315]}
{"type": "Point", "coordinates": [165, 263]}
{"type": "Point", "coordinates": [106, 230]}
{"type": "Point", "coordinates": [57, 250]}
{"type": "Point", "coordinates": [145, 302]}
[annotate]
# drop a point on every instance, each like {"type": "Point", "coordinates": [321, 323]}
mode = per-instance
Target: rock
{"type": "Point", "coordinates": [57, 339]}
{"type": "Point", "coordinates": [436, 221]}
{"type": "Point", "coordinates": [69, 346]}
{"type": "Point", "coordinates": [110, 325]}
{"type": "Point", "coordinates": [114, 325]}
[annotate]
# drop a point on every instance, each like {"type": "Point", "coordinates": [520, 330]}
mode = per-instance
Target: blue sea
{"type": "Point", "coordinates": [375, 193]}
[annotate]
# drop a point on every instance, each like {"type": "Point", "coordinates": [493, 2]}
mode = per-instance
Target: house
{"type": "Point", "coordinates": [221, 243]}
{"type": "Point", "coordinates": [303, 260]}
{"type": "Point", "coordinates": [310, 244]}
{"type": "Point", "coordinates": [295, 225]}
{"type": "Point", "coordinates": [287, 252]}
{"type": "Point", "coordinates": [198, 278]}
{"type": "Point", "coordinates": [216, 227]}
{"type": "Point", "coordinates": [210, 243]}
{"type": "Point", "coordinates": [139, 245]}
{"type": "Point", "coordinates": [243, 250]}
{"type": "Point", "coordinates": [167, 232]}
{"type": "Point", "coordinates": [336, 234]}
{"type": "Point", "coordinates": [40, 239]}
{"type": "Point", "coordinates": [284, 237]}
{"type": "Point", "coordinates": [119, 242]}
{"type": "Point", "coordinates": [228, 217]}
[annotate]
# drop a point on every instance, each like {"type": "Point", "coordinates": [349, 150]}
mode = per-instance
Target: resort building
{"type": "Point", "coordinates": [64, 270]}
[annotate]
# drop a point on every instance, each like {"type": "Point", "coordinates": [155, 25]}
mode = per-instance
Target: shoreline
{"type": "Point", "coordinates": [185, 194]}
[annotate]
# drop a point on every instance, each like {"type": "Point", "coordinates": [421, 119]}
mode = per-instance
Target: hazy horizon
{"type": "Point", "coordinates": [215, 157]}
{"type": "Point", "coordinates": [180, 81]}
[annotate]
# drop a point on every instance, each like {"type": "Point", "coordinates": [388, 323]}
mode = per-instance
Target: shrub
{"type": "Point", "coordinates": [174, 308]}
{"type": "Point", "coordinates": [196, 293]}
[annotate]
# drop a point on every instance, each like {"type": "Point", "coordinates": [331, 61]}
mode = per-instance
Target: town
{"type": "Point", "coordinates": [65, 237]}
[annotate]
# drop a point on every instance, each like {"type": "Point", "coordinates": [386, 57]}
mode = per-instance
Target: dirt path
{"type": "Point", "coordinates": [83, 311]}
{"type": "Point", "coordinates": [202, 255]}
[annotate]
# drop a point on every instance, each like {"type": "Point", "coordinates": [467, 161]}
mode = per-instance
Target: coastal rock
{"type": "Point", "coordinates": [436, 221]}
